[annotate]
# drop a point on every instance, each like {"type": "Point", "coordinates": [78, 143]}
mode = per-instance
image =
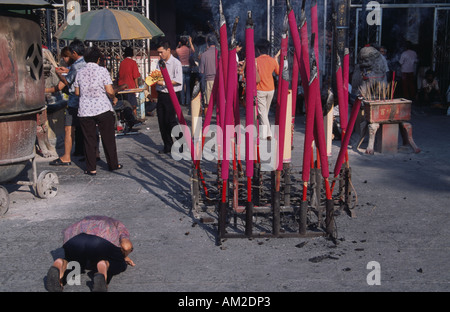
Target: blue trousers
{"type": "Point", "coordinates": [186, 90]}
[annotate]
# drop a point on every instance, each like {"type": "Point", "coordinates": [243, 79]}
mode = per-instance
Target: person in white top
{"type": "Point", "coordinates": [165, 110]}
{"type": "Point", "coordinates": [408, 60]}
{"type": "Point", "coordinates": [94, 87]}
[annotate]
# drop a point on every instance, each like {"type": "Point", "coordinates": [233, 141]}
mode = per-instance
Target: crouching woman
{"type": "Point", "coordinates": [97, 243]}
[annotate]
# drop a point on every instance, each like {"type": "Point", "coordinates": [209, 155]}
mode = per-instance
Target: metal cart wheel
{"type": "Point", "coordinates": [47, 184]}
{"type": "Point", "coordinates": [4, 200]}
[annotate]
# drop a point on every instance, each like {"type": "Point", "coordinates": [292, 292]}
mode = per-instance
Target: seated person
{"type": "Point", "coordinates": [126, 108]}
{"type": "Point", "coordinates": [146, 97]}
{"type": "Point", "coordinates": [430, 93]}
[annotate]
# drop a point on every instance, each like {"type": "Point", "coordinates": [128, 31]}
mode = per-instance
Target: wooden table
{"type": "Point", "coordinates": [126, 91]}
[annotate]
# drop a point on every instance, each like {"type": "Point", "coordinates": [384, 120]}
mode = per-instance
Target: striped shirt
{"type": "Point", "coordinates": [105, 227]}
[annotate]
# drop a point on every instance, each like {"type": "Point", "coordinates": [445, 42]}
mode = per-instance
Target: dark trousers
{"type": "Point", "coordinates": [408, 86]}
{"type": "Point", "coordinates": [106, 124]}
{"type": "Point", "coordinates": [88, 250]}
{"type": "Point", "coordinates": [166, 118]}
{"type": "Point", "coordinates": [186, 91]}
{"type": "Point", "coordinates": [131, 97]}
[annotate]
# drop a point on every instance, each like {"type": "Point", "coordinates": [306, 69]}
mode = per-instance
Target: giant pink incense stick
{"type": "Point", "coordinates": [250, 115]}
{"type": "Point", "coordinates": [283, 53]}
{"type": "Point", "coordinates": [343, 109]}
{"type": "Point", "coordinates": [315, 30]}
{"type": "Point", "coordinates": [304, 66]}
{"type": "Point", "coordinates": [297, 57]}
{"type": "Point", "coordinates": [310, 111]}
{"type": "Point", "coordinates": [346, 139]}
{"type": "Point", "coordinates": [294, 31]}
{"type": "Point", "coordinates": [346, 72]}
{"type": "Point", "coordinates": [228, 130]}
{"type": "Point", "coordinates": [282, 112]}
{"type": "Point", "coordinates": [250, 92]}
{"type": "Point", "coordinates": [212, 98]}
{"type": "Point", "coordinates": [177, 107]}
{"type": "Point", "coordinates": [223, 41]}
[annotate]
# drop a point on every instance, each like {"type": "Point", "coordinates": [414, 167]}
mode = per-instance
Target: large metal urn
{"type": "Point", "coordinates": [21, 91]}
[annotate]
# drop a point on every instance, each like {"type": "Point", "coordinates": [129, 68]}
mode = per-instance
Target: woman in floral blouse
{"type": "Point", "coordinates": [94, 86]}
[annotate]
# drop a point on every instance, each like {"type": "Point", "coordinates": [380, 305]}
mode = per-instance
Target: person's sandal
{"type": "Point", "coordinates": [59, 162]}
{"type": "Point", "coordinates": [53, 282]}
{"type": "Point", "coordinates": [119, 166]}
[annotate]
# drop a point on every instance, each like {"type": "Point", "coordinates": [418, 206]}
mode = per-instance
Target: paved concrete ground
{"type": "Point", "coordinates": [401, 223]}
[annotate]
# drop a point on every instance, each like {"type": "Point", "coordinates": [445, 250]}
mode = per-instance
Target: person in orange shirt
{"type": "Point", "coordinates": [266, 66]}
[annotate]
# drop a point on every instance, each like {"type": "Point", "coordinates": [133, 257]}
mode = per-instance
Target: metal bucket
{"type": "Point", "coordinates": [21, 90]}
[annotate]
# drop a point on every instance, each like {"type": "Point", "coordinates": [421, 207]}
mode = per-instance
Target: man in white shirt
{"type": "Point", "coordinates": [408, 61]}
{"type": "Point", "coordinates": [165, 110]}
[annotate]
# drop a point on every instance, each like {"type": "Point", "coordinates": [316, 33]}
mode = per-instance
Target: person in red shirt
{"type": "Point", "coordinates": [129, 74]}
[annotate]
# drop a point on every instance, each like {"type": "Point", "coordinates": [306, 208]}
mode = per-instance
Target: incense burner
{"type": "Point", "coordinates": [390, 116]}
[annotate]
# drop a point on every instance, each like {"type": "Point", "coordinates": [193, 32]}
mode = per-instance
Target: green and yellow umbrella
{"type": "Point", "coordinates": [109, 25]}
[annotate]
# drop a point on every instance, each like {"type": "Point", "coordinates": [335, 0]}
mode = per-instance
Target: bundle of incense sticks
{"type": "Point", "coordinates": [378, 91]}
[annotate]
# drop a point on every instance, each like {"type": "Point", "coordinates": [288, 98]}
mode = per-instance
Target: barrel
{"type": "Point", "coordinates": [18, 136]}
{"type": "Point", "coordinates": [21, 90]}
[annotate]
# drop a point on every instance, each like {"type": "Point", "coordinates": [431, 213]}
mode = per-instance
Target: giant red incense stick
{"type": "Point", "coordinates": [221, 97]}
{"type": "Point", "coordinates": [282, 111]}
{"type": "Point", "coordinates": [309, 129]}
{"type": "Point", "coordinates": [346, 73]}
{"type": "Point", "coordinates": [177, 107]}
{"type": "Point", "coordinates": [179, 113]}
{"type": "Point", "coordinates": [304, 66]}
{"type": "Point", "coordinates": [343, 109]}
{"type": "Point", "coordinates": [310, 102]}
{"type": "Point", "coordinates": [250, 93]}
{"type": "Point", "coordinates": [320, 138]}
{"type": "Point", "coordinates": [346, 139]}
{"type": "Point", "coordinates": [283, 53]}
{"type": "Point", "coordinates": [212, 98]}
{"type": "Point", "coordinates": [228, 131]}
{"type": "Point", "coordinates": [228, 134]}
{"type": "Point", "coordinates": [294, 87]}
{"type": "Point", "coordinates": [297, 55]}
{"type": "Point", "coordinates": [223, 41]}
{"type": "Point", "coordinates": [226, 112]}
{"type": "Point", "coordinates": [315, 31]}
{"type": "Point", "coordinates": [294, 31]}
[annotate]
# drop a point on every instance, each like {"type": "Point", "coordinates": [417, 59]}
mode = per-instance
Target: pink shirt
{"type": "Point", "coordinates": [183, 54]}
{"type": "Point", "coordinates": [105, 227]}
